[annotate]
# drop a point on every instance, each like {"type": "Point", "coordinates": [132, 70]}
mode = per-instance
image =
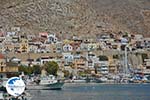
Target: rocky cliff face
{"type": "Point", "coordinates": [76, 16]}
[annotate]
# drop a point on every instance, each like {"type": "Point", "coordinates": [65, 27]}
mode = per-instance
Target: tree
{"type": "Point", "coordinates": [26, 69]}
{"type": "Point", "coordinates": [51, 67]}
{"type": "Point", "coordinates": [103, 58]}
{"type": "Point", "coordinates": [144, 56]}
{"type": "Point", "coordinates": [115, 56]}
{"type": "Point", "coordinates": [36, 69]}
{"type": "Point", "coordinates": [66, 73]}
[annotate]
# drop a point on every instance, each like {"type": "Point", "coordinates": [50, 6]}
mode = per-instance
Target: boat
{"type": "Point", "coordinates": [78, 81]}
{"type": "Point", "coordinates": [45, 83]}
{"type": "Point", "coordinates": [101, 80]}
{"type": "Point", "coordinates": [139, 79]}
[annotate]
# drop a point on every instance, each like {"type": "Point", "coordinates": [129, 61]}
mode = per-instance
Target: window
{"type": "Point", "coordinates": [2, 69]}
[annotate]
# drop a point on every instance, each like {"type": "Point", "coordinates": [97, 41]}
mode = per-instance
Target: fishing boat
{"type": "Point", "coordinates": [45, 83]}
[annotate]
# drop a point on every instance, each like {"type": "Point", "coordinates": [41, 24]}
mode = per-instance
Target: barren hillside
{"type": "Point", "coordinates": [76, 16]}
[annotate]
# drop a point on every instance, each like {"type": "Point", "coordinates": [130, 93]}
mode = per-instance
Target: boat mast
{"type": "Point", "coordinates": [126, 61]}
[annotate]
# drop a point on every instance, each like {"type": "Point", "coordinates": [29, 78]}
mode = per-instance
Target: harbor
{"type": "Point", "coordinates": [82, 89]}
{"type": "Point", "coordinates": [94, 91]}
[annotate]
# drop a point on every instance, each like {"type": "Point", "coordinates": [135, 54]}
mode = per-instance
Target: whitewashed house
{"type": "Point", "coordinates": [31, 37]}
{"type": "Point", "coordinates": [67, 47]}
{"type": "Point", "coordinates": [10, 34]}
{"type": "Point", "coordinates": [33, 49]}
{"type": "Point", "coordinates": [16, 60]}
{"type": "Point", "coordinates": [124, 41]}
{"type": "Point", "coordinates": [59, 47]}
{"type": "Point", "coordinates": [103, 67]}
{"type": "Point", "coordinates": [83, 46]}
{"type": "Point", "coordinates": [52, 38]}
{"type": "Point", "coordinates": [92, 59]}
{"type": "Point", "coordinates": [67, 58]}
{"type": "Point", "coordinates": [45, 59]}
{"type": "Point", "coordinates": [138, 37]}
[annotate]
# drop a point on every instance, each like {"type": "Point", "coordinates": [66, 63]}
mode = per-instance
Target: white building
{"type": "Point", "coordinates": [45, 59]}
{"type": "Point", "coordinates": [67, 47]}
{"type": "Point", "coordinates": [124, 41]}
{"type": "Point", "coordinates": [103, 67]}
{"type": "Point", "coordinates": [52, 38]}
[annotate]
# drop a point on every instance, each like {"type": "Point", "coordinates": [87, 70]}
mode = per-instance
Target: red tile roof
{"type": "Point", "coordinates": [2, 56]}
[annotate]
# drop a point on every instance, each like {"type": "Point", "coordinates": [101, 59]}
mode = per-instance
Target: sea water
{"type": "Point", "coordinates": [95, 92]}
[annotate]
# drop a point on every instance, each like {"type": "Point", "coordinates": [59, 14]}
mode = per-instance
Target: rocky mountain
{"type": "Point", "coordinates": [76, 16]}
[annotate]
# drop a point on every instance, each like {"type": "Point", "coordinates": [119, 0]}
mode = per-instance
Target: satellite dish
{"type": "Point", "coordinates": [15, 86]}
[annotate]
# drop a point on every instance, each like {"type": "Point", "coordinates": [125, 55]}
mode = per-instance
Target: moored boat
{"type": "Point", "coordinates": [45, 83]}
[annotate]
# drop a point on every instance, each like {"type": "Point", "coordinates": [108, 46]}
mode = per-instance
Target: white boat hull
{"type": "Point", "coordinates": [54, 86]}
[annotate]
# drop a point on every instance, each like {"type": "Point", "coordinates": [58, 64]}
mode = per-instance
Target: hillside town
{"type": "Point", "coordinates": [107, 54]}
{"type": "Point", "coordinates": [74, 49]}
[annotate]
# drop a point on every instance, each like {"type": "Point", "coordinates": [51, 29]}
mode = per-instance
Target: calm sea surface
{"type": "Point", "coordinates": [95, 92]}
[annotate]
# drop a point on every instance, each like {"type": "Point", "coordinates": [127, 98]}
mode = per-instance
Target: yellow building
{"type": "Point", "coordinates": [2, 63]}
{"type": "Point", "coordinates": [112, 65]}
{"type": "Point", "coordinates": [92, 46]}
{"type": "Point", "coordinates": [52, 48]}
{"type": "Point", "coordinates": [11, 67]}
{"type": "Point", "coordinates": [7, 68]}
{"type": "Point", "coordinates": [80, 63]}
{"type": "Point", "coordinates": [24, 47]}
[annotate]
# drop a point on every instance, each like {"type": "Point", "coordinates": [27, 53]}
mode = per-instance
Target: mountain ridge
{"type": "Point", "coordinates": [76, 16]}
